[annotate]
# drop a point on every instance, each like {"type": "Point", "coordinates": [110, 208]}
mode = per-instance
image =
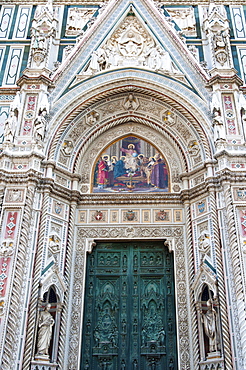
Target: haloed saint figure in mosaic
{"type": "Point", "coordinates": [130, 164]}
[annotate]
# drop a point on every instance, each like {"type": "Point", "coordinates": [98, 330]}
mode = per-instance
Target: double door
{"type": "Point", "coordinates": [129, 312]}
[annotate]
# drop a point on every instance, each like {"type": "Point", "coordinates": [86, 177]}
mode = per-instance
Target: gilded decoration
{"type": "Point", "coordinates": [90, 155]}
{"type": "Point", "coordinates": [130, 165]}
{"type": "Point", "coordinates": [118, 111]}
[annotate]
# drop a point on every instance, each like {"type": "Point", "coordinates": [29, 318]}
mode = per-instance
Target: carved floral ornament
{"type": "Point", "coordinates": [159, 116]}
{"type": "Point", "coordinates": [86, 237]}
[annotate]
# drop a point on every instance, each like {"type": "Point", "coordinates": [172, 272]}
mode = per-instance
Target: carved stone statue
{"type": "Point", "coordinates": [219, 128]}
{"type": "Point", "coordinates": [131, 102]}
{"type": "Point", "coordinates": [40, 126]}
{"type": "Point", "coordinates": [10, 126]}
{"type": "Point", "coordinates": [77, 18]}
{"type": "Point", "coordinates": [209, 320]}
{"type": "Point", "coordinates": [185, 19]}
{"type": "Point", "coordinates": [54, 243]}
{"type": "Point", "coordinates": [219, 40]}
{"type": "Point", "coordinates": [45, 324]}
{"type": "Point", "coordinates": [204, 244]}
{"type": "Point", "coordinates": [130, 45]}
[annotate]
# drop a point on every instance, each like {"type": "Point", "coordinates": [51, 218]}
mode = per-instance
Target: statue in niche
{"type": "Point", "coordinates": [67, 51]}
{"type": "Point", "coordinates": [219, 40]}
{"type": "Point", "coordinates": [171, 364]}
{"type": "Point", "coordinates": [54, 243]}
{"type": "Point", "coordinates": [204, 244]}
{"type": "Point", "coordinates": [45, 324]}
{"type": "Point", "coordinates": [10, 127]}
{"type": "Point", "coordinates": [209, 320]}
{"type": "Point", "coordinates": [97, 337]}
{"type": "Point", "coordinates": [40, 41]}
{"type": "Point", "coordinates": [161, 337]}
{"type": "Point", "coordinates": [219, 128]}
{"type": "Point", "coordinates": [40, 125]}
{"type": "Point", "coordinates": [219, 45]}
{"type": "Point", "coordinates": [194, 51]}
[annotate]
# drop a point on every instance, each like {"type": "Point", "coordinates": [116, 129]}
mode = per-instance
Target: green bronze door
{"type": "Point", "coordinates": [129, 313]}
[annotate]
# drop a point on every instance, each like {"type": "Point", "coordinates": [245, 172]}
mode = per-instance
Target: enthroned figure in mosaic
{"type": "Point", "coordinates": [130, 164]}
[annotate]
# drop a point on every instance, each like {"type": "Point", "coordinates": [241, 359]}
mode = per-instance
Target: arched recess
{"type": "Point", "coordinates": [128, 163]}
{"type": "Point", "coordinates": [70, 113]}
{"type": "Point", "coordinates": [185, 144]}
{"type": "Point", "coordinates": [89, 153]}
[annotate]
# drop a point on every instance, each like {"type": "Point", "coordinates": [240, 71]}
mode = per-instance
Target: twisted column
{"type": "Point", "coordinates": [67, 275]}
{"type": "Point", "coordinates": [33, 311]}
{"type": "Point", "coordinates": [191, 272]}
{"type": "Point", "coordinates": [237, 273]}
{"type": "Point", "coordinates": [16, 302]}
{"type": "Point", "coordinates": [226, 345]}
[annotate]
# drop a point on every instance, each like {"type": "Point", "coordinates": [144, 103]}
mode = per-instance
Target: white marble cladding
{"type": "Point", "coordinates": [130, 215]}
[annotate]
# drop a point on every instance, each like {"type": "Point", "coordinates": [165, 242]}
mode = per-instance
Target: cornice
{"type": "Point", "coordinates": [224, 80]}
{"type": "Point", "coordinates": [100, 2]}
{"type": "Point", "coordinates": [226, 153]}
{"type": "Point", "coordinates": [17, 177]}
{"type": "Point", "coordinates": [130, 199]}
{"type": "Point", "coordinates": [34, 80]}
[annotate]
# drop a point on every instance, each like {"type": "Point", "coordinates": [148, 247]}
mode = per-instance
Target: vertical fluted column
{"type": "Point", "coordinates": [193, 318]}
{"type": "Point", "coordinates": [8, 360]}
{"type": "Point", "coordinates": [33, 308]}
{"type": "Point", "coordinates": [226, 343]}
{"type": "Point", "coordinates": [67, 273]}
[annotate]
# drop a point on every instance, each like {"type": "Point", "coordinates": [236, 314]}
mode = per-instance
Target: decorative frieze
{"type": "Point", "coordinates": [118, 216]}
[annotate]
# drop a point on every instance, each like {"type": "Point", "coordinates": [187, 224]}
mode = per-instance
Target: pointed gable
{"type": "Point", "coordinates": [132, 35]}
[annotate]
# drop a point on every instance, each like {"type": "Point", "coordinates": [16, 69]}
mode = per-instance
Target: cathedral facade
{"type": "Point", "coordinates": [123, 185]}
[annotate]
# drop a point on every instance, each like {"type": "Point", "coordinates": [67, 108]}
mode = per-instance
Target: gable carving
{"type": "Point", "coordinates": [131, 45]}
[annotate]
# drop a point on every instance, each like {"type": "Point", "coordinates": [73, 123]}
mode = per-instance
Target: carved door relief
{"type": "Point", "coordinates": [129, 315]}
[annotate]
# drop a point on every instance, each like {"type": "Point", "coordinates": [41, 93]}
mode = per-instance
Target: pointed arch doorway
{"type": "Point", "coordinates": [129, 311]}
